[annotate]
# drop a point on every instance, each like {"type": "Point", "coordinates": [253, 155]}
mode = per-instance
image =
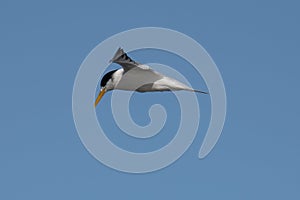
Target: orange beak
{"type": "Point", "coordinates": [100, 95]}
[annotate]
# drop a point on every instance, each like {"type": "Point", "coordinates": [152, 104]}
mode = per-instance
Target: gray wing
{"type": "Point", "coordinates": [125, 61]}
{"type": "Point", "coordinates": [142, 78]}
{"type": "Point", "coordinates": [136, 76]}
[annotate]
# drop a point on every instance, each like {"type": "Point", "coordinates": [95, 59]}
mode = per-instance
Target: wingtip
{"type": "Point", "coordinates": [199, 91]}
{"type": "Point", "coordinates": [118, 53]}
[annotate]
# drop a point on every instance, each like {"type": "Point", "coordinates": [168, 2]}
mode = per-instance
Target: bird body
{"type": "Point", "coordinates": [137, 77]}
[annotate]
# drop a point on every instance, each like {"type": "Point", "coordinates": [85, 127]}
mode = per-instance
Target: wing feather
{"type": "Point", "coordinates": [124, 60]}
{"type": "Point", "coordinates": [142, 78]}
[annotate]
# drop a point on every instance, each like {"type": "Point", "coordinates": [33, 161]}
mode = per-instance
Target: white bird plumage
{"type": "Point", "coordinates": [138, 77]}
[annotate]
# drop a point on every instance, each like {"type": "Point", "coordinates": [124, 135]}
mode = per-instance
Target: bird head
{"type": "Point", "coordinates": [106, 85]}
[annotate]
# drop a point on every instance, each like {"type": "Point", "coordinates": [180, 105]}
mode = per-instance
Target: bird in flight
{"type": "Point", "coordinates": [134, 76]}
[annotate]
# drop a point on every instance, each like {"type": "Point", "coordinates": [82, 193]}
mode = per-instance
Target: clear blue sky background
{"type": "Point", "coordinates": [256, 47]}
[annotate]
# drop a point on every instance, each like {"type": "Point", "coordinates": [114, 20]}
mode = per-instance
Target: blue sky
{"type": "Point", "coordinates": [255, 44]}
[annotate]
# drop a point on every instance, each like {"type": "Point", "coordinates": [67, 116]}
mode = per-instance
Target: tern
{"type": "Point", "coordinates": [134, 76]}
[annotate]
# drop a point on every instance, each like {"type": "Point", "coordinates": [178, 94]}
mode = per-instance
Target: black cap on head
{"type": "Point", "coordinates": [106, 77]}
